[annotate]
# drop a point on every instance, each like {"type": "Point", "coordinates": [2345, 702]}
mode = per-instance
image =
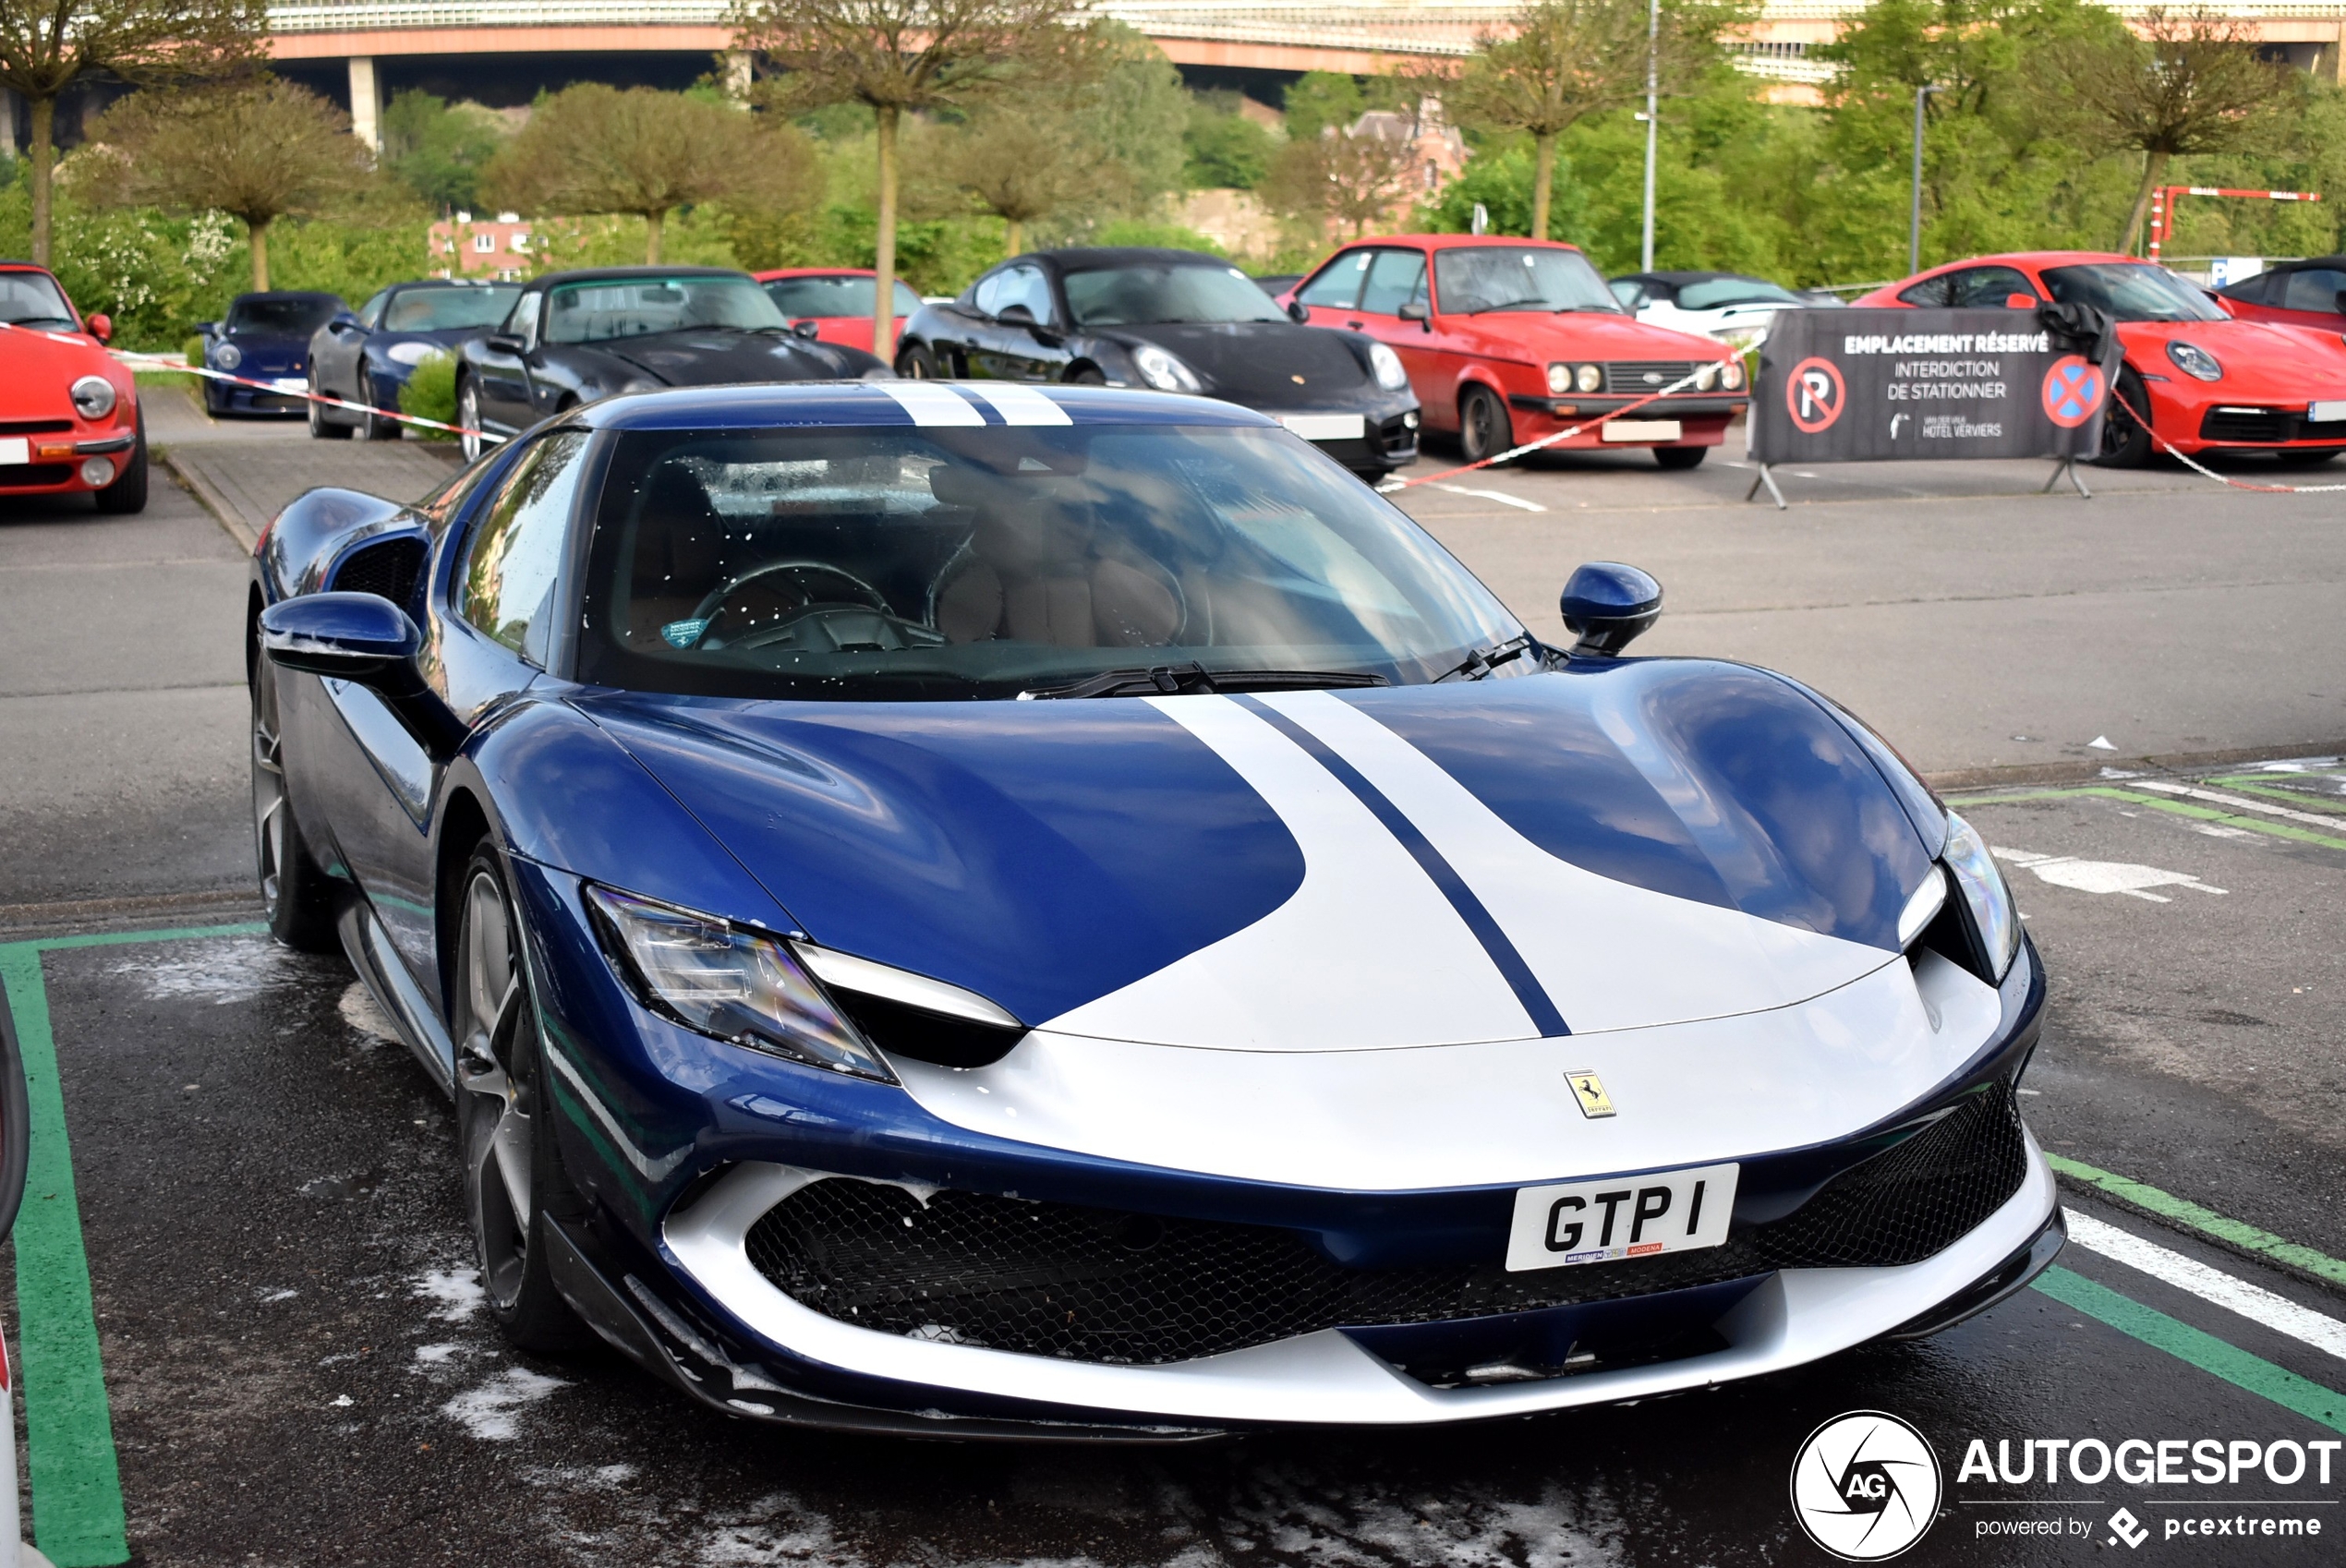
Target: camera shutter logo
{"type": "Point", "coordinates": [1814, 394]}
{"type": "Point", "coordinates": [1866, 1485]}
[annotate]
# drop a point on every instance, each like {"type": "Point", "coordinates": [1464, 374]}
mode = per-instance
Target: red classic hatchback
{"type": "Point", "coordinates": [1508, 340]}
{"type": "Point", "coordinates": [68, 410]}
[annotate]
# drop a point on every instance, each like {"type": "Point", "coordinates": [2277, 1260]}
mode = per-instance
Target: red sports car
{"type": "Point", "coordinates": [68, 410]}
{"type": "Point", "coordinates": [836, 303]}
{"type": "Point", "coordinates": [2297, 293]}
{"type": "Point", "coordinates": [2206, 382]}
{"type": "Point", "coordinates": [1508, 340]}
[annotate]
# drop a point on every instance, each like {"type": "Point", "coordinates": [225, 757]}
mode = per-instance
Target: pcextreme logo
{"type": "Point", "coordinates": [1865, 1486]}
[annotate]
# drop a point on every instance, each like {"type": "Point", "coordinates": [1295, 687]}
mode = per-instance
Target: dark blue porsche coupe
{"type": "Point", "coordinates": [982, 909]}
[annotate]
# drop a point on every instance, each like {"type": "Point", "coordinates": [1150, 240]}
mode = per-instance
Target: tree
{"type": "Point", "coordinates": [1347, 178]}
{"type": "Point", "coordinates": [2187, 84]}
{"type": "Point", "coordinates": [908, 56]}
{"type": "Point", "coordinates": [257, 150]}
{"type": "Point", "coordinates": [1225, 150]}
{"type": "Point", "coordinates": [439, 149]}
{"type": "Point", "coordinates": [48, 46]}
{"type": "Point", "coordinates": [1023, 161]}
{"type": "Point", "coordinates": [592, 149]}
{"type": "Point", "coordinates": [1565, 61]}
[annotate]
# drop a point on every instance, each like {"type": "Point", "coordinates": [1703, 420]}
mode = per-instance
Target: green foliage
{"type": "Point", "coordinates": [1135, 115]}
{"type": "Point", "coordinates": [1141, 232]}
{"type": "Point", "coordinates": [1320, 99]}
{"type": "Point", "coordinates": [1222, 148]}
{"type": "Point", "coordinates": [430, 393]}
{"type": "Point", "coordinates": [437, 149]}
{"type": "Point", "coordinates": [1499, 177]}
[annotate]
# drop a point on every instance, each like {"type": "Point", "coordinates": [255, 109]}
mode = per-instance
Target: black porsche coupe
{"type": "Point", "coordinates": [1177, 321]}
{"type": "Point", "coordinates": [572, 338]}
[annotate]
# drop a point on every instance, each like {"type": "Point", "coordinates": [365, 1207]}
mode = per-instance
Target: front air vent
{"type": "Point", "coordinates": [902, 1029]}
{"type": "Point", "coordinates": [389, 567]}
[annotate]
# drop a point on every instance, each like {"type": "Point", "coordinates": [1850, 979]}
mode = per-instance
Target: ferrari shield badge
{"type": "Point", "coordinates": [1589, 1089]}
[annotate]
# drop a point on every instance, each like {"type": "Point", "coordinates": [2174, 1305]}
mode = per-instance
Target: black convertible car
{"type": "Point", "coordinates": [1178, 321]}
{"type": "Point", "coordinates": [575, 337]}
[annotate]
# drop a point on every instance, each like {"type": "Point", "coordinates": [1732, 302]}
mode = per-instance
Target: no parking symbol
{"type": "Point", "coordinates": [1815, 394]}
{"type": "Point", "coordinates": [2072, 392]}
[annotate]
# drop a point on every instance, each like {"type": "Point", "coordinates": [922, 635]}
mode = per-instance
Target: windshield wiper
{"type": "Point", "coordinates": [1509, 305]}
{"type": "Point", "coordinates": [1175, 679]}
{"type": "Point", "coordinates": [1481, 662]}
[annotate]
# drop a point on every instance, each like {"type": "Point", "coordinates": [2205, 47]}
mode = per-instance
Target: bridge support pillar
{"type": "Point", "coordinates": [366, 120]}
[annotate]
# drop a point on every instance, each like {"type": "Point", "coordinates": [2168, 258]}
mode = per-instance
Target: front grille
{"type": "Point", "coordinates": [31, 474]}
{"type": "Point", "coordinates": [33, 426]}
{"type": "Point", "coordinates": [388, 568]}
{"type": "Point", "coordinates": [1105, 1285]}
{"type": "Point", "coordinates": [2249, 425]}
{"type": "Point", "coordinates": [1637, 378]}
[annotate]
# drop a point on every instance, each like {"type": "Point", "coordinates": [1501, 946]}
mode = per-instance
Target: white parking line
{"type": "Point", "coordinates": [2253, 1302]}
{"type": "Point", "coordinates": [2236, 802]}
{"type": "Point", "coordinates": [1493, 495]}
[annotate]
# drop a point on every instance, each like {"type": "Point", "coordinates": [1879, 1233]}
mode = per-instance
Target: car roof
{"type": "Point", "coordinates": [774, 274]}
{"type": "Point", "coordinates": [452, 283]}
{"type": "Point", "coordinates": [283, 294]}
{"type": "Point", "coordinates": [1093, 258]}
{"type": "Point", "coordinates": [2037, 259]}
{"type": "Point", "coordinates": [1448, 242]}
{"type": "Point", "coordinates": [850, 405]}
{"type": "Point", "coordinates": [620, 274]}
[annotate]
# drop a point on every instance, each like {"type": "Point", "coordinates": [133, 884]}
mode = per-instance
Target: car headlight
{"type": "Point", "coordinates": [1993, 918]}
{"type": "Point", "coordinates": [1705, 377]}
{"type": "Point", "coordinates": [727, 982]}
{"type": "Point", "coordinates": [1589, 378]}
{"type": "Point", "coordinates": [94, 396]}
{"type": "Point", "coordinates": [1731, 375]}
{"type": "Point", "coordinates": [1559, 378]}
{"type": "Point", "coordinates": [226, 355]}
{"type": "Point", "coordinates": [2195, 361]}
{"type": "Point", "coordinates": [1165, 372]}
{"type": "Point", "coordinates": [1391, 374]}
{"type": "Point", "coordinates": [409, 353]}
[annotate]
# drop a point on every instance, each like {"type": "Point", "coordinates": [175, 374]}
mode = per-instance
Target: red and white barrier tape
{"type": "Point", "coordinates": [1390, 485]}
{"type": "Point", "coordinates": [159, 362]}
{"type": "Point", "coordinates": [2201, 468]}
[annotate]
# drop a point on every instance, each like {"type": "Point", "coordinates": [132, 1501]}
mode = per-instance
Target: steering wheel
{"type": "Point", "coordinates": [780, 595]}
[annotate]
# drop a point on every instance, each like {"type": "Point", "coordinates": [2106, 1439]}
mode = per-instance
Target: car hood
{"type": "Point", "coordinates": [1264, 364]}
{"type": "Point", "coordinates": [2261, 359]}
{"type": "Point", "coordinates": [703, 359]}
{"type": "Point", "coordinates": [1653, 841]}
{"type": "Point", "coordinates": [1540, 336]}
{"type": "Point", "coordinates": [38, 369]}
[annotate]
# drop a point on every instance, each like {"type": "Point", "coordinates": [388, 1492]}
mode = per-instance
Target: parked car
{"type": "Point", "coordinates": [2206, 382]}
{"type": "Point", "coordinates": [69, 415]}
{"type": "Point", "coordinates": [1735, 308]}
{"type": "Point", "coordinates": [2294, 294]}
{"type": "Point", "coordinates": [572, 338]}
{"type": "Point", "coordinates": [836, 302]}
{"type": "Point", "coordinates": [368, 355]}
{"type": "Point", "coordinates": [1000, 909]}
{"type": "Point", "coordinates": [1509, 340]}
{"type": "Point", "coordinates": [1178, 321]}
{"type": "Point", "coordinates": [1277, 283]}
{"type": "Point", "coordinates": [265, 337]}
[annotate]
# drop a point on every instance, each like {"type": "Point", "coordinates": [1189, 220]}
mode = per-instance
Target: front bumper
{"type": "Point", "coordinates": [1702, 421]}
{"type": "Point", "coordinates": [2267, 427]}
{"type": "Point", "coordinates": [57, 457]}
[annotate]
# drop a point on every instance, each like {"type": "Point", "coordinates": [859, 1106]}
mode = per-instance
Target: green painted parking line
{"type": "Point", "coordinates": [2166, 1206]}
{"type": "Point", "coordinates": [2256, 785]}
{"type": "Point", "coordinates": [76, 1485]}
{"type": "Point", "coordinates": [2175, 808]}
{"type": "Point", "coordinates": [2203, 1350]}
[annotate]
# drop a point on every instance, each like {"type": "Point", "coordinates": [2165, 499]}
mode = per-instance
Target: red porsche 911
{"type": "Point", "coordinates": [2204, 380]}
{"type": "Point", "coordinates": [68, 410]}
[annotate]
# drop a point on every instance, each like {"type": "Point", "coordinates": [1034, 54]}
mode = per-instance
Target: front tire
{"type": "Point", "coordinates": [297, 898]}
{"type": "Point", "coordinates": [127, 494]}
{"type": "Point", "coordinates": [1484, 429]}
{"type": "Point", "coordinates": [469, 418]}
{"type": "Point", "coordinates": [1680, 457]}
{"type": "Point", "coordinates": [2125, 443]}
{"type": "Point", "coordinates": [513, 1174]}
{"type": "Point", "coordinates": [916, 363]}
{"type": "Point", "coordinates": [374, 424]}
{"type": "Point", "coordinates": [320, 428]}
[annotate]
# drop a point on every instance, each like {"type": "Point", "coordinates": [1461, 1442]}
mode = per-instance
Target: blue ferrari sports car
{"type": "Point", "coordinates": [987, 909]}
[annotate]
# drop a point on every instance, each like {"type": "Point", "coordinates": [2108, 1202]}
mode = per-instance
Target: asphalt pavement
{"type": "Point", "coordinates": [283, 1359]}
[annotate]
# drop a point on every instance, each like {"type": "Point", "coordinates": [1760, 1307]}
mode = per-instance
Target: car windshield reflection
{"type": "Point", "coordinates": [634, 308]}
{"type": "Point", "coordinates": [30, 299]}
{"type": "Point", "coordinates": [2132, 292]}
{"type": "Point", "coordinates": [448, 309]}
{"type": "Point", "coordinates": [1122, 296]}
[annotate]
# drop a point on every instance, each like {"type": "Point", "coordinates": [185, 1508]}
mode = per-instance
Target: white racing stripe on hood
{"type": "Point", "coordinates": [930, 404]}
{"type": "Point", "coordinates": [1611, 955]}
{"type": "Point", "coordinates": [1367, 953]}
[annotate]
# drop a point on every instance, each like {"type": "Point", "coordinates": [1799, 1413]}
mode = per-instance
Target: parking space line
{"type": "Point", "coordinates": [1493, 495]}
{"type": "Point", "coordinates": [2182, 1211]}
{"type": "Point", "coordinates": [77, 1482]}
{"type": "Point", "coordinates": [2176, 808]}
{"type": "Point", "coordinates": [2256, 785]}
{"type": "Point", "coordinates": [2234, 1295]}
{"type": "Point", "coordinates": [2235, 801]}
{"type": "Point", "coordinates": [2215, 1356]}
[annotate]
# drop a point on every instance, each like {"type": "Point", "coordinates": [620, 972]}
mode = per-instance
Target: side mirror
{"type": "Point", "coordinates": [1414, 310]}
{"type": "Point", "coordinates": [506, 343]}
{"type": "Point", "coordinates": [100, 326]}
{"type": "Point", "coordinates": [1299, 311]}
{"type": "Point", "coordinates": [2020, 301]}
{"type": "Point", "coordinates": [361, 637]}
{"type": "Point", "coordinates": [806, 329]}
{"type": "Point", "coordinates": [1016, 316]}
{"type": "Point", "coordinates": [1608, 605]}
{"type": "Point", "coordinates": [206, 329]}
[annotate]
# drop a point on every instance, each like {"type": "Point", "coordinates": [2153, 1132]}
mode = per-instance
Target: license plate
{"type": "Point", "coordinates": [1598, 1222]}
{"type": "Point", "coordinates": [1327, 426]}
{"type": "Point", "coordinates": [291, 385]}
{"type": "Point", "coordinates": [2324, 413]}
{"type": "Point", "coordinates": [15, 449]}
{"type": "Point", "coordinates": [1642, 430]}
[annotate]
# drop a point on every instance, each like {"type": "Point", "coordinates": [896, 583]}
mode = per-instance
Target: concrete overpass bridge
{"type": "Point", "coordinates": [380, 45]}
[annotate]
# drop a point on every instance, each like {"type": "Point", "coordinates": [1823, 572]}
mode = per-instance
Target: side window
{"type": "Point", "coordinates": [523, 322]}
{"type": "Point", "coordinates": [1931, 292]}
{"type": "Point", "coordinates": [1986, 288]}
{"type": "Point", "coordinates": [1395, 277]}
{"type": "Point", "coordinates": [1338, 285]}
{"type": "Point", "coordinates": [1629, 292]}
{"type": "Point", "coordinates": [515, 551]}
{"type": "Point", "coordinates": [2314, 288]}
{"type": "Point", "coordinates": [372, 313]}
{"type": "Point", "coordinates": [1017, 286]}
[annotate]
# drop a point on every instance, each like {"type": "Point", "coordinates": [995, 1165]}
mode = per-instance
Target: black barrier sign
{"type": "Point", "coordinates": [1854, 386]}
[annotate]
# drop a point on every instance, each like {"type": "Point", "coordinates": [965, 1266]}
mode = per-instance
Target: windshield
{"type": "Point", "coordinates": [1714, 293]}
{"type": "Point", "coordinates": [634, 307]}
{"type": "Point", "coordinates": [448, 309]}
{"type": "Point", "coordinates": [799, 297]}
{"type": "Point", "coordinates": [1506, 277]}
{"type": "Point", "coordinates": [1122, 296]}
{"type": "Point", "coordinates": [948, 562]}
{"type": "Point", "coordinates": [31, 299]}
{"type": "Point", "coordinates": [297, 316]}
{"type": "Point", "coordinates": [2135, 292]}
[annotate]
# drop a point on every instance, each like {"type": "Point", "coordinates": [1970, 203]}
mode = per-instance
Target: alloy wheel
{"type": "Point", "coordinates": [496, 1087]}
{"type": "Point", "coordinates": [469, 415]}
{"type": "Point", "coordinates": [268, 798]}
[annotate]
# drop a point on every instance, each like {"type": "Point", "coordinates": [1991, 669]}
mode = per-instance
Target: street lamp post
{"type": "Point", "coordinates": [1914, 221]}
{"type": "Point", "coordinates": [1653, 118]}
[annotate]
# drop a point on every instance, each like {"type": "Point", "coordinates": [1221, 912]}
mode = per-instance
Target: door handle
{"type": "Point", "coordinates": [1354, 325]}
